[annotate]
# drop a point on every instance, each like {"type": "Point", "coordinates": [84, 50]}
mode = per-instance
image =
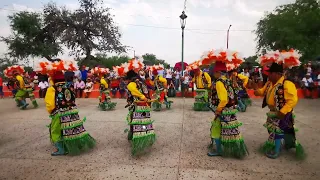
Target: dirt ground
{"type": "Point", "coordinates": [179, 152]}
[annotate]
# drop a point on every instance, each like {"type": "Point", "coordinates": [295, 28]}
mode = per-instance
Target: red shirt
{"type": "Point", "coordinates": [115, 83]}
{"type": "Point", "coordinates": [1, 82]}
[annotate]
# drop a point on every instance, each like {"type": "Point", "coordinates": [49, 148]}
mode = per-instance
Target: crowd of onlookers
{"type": "Point", "coordinates": [305, 77]}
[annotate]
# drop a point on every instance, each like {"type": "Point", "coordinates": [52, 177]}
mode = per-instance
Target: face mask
{"type": "Point", "coordinates": [142, 77]}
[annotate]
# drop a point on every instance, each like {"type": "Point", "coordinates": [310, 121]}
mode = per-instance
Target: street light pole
{"type": "Point", "coordinates": [183, 18]}
{"type": "Point", "coordinates": [228, 36]}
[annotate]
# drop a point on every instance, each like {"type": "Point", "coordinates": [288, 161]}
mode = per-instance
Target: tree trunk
{"type": "Point", "coordinates": [87, 58]}
{"type": "Point", "coordinates": [48, 58]}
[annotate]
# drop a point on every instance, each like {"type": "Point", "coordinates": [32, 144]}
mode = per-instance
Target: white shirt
{"type": "Point", "coordinates": [309, 70]}
{"type": "Point", "coordinates": [43, 85]}
{"type": "Point", "coordinates": [78, 74]}
{"type": "Point", "coordinates": [307, 81]}
{"type": "Point", "coordinates": [246, 74]}
{"type": "Point", "coordinates": [169, 75]}
{"type": "Point", "coordinates": [186, 80]}
{"type": "Point", "coordinates": [177, 74]}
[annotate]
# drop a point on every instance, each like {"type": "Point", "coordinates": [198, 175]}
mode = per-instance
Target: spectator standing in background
{"type": "Point", "coordinates": [318, 84]}
{"type": "Point", "coordinates": [177, 75]}
{"type": "Point", "coordinates": [169, 76]}
{"type": "Point", "coordinates": [246, 72]}
{"type": "Point", "coordinates": [84, 73]}
{"type": "Point", "coordinates": [43, 85]}
{"type": "Point", "coordinates": [309, 68]}
{"type": "Point", "coordinates": [185, 84]}
{"type": "Point", "coordinates": [77, 74]}
{"type": "Point", "coordinates": [122, 88]}
{"type": "Point", "coordinates": [308, 85]}
{"type": "Point", "coordinates": [1, 88]}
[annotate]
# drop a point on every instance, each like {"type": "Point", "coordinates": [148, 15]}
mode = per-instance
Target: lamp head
{"type": "Point", "coordinates": [183, 18]}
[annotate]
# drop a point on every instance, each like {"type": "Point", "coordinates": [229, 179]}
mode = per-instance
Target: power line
{"type": "Point", "coordinates": [204, 31]}
{"type": "Point", "coordinates": [162, 27]}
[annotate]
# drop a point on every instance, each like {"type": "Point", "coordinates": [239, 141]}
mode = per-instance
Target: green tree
{"type": "Point", "coordinates": [30, 37]}
{"type": "Point", "coordinates": [6, 62]}
{"type": "Point", "coordinates": [90, 27]}
{"type": "Point", "coordinates": [295, 25]}
{"type": "Point", "coordinates": [151, 59]}
{"type": "Point", "coordinates": [249, 62]}
{"type": "Point", "coordinates": [104, 61]}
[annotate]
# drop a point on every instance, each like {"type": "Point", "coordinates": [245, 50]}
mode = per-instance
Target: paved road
{"type": "Point", "coordinates": [179, 152]}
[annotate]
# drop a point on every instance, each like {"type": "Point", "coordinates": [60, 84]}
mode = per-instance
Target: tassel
{"type": "Point", "coordinates": [300, 153]}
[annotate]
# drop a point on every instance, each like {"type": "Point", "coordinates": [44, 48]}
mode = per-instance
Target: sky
{"type": "Point", "coordinates": [153, 26]}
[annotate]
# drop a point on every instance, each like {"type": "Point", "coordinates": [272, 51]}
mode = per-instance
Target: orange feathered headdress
{"type": "Point", "coordinates": [288, 59]}
{"type": "Point", "coordinates": [51, 68]}
{"type": "Point", "coordinates": [11, 70]}
{"type": "Point", "coordinates": [224, 56]}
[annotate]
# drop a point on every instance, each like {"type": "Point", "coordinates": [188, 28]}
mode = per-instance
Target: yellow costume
{"type": "Point", "coordinates": [132, 87]}
{"type": "Point", "coordinates": [225, 131]}
{"type": "Point", "coordinates": [244, 79]}
{"type": "Point", "coordinates": [199, 80]}
{"type": "Point", "coordinates": [281, 98]}
{"type": "Point", "coordinates": [203, 84]}
{"type": "Point", "coordinates": [141, 131]}
{"type": "Point", "coordinates": [105, 99]}
{"type": "Point", "coordinates": [290, 95]}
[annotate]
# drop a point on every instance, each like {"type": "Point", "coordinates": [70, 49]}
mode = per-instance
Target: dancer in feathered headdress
{"type": "Point", "coordinates": [280, 95]}
{"type": "Point", "coordinates": [161, 88]}
{"type": "Point", "coordinates": [104, 98]}
{"type": "Point", "coordinates": [239, 82]}
{"type": "Point", "coordinates": [24, 90]}
{"type": "Point", "coordinates": [66, 128]}
{"type": "Point", "coordinates": [141, 131]}
{"type": "Point", "coordinates": [225, 133]}
{"type": "Point", "coordinates": [203, 84]}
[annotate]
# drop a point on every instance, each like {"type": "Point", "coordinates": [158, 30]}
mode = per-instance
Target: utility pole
{"type": "Point", "coordinates": [228, 36]}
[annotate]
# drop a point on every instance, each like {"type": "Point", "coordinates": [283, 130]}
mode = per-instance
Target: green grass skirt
{"type": "Point", "coordinates": [200, 106]}
{"type": "Point", "coordinates": [140, 143]}
{"type": "Point", "coordinates": [107, 106]}
{"type": "Point", "coordinates": [237, 149]}
{"type": "Point", "coordinates": [268, 147]}
{"type": "Point", "coordinates": [247, 101]}
{"type": "Point", "coordinates": [79, 145]}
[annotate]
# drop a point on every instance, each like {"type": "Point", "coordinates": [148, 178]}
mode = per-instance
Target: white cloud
{"type": "Point", "coordinates": [243, 8]}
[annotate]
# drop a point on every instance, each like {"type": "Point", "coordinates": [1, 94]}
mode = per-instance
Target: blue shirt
{"type": "Point", "coordinates": [84, 75]}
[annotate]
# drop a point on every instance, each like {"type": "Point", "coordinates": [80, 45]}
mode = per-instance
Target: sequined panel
{"type": "Point", "coordinates": [230, 132]}
{"type": "Point", "coordinates": [142, 128]}
{"type": "Point", "coordinates": [69, 118]}
{"type": "Point", "coordinates": [73, 131]}
{"type": "Point", "coordinates": [141, 115]}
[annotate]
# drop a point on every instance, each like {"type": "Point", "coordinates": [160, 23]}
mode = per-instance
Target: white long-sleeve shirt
{"type": "Point", "coordinates": [79, 85]}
